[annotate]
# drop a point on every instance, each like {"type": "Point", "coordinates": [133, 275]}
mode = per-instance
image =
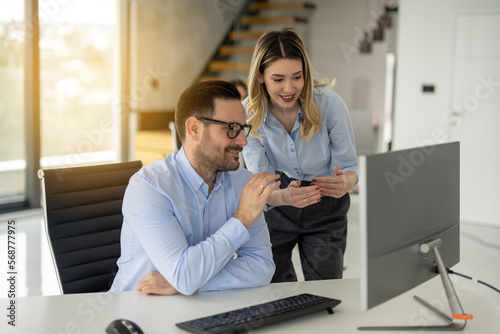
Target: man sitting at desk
{"type": "Point", "coordinates": [194, 221]}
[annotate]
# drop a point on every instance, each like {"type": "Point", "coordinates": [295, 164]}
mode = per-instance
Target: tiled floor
{"type": "Point", "coordinates": [480, 255]}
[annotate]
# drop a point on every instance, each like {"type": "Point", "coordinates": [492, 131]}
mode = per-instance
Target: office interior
{"type": "Point", "coordinates": [433, 77]}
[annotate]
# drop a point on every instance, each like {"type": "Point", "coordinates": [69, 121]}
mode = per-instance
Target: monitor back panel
{"type": "Point", "coordinates": [406, 197]}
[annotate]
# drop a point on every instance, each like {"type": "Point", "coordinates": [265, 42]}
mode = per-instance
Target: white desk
{"type": "Point", "coordinates": [91, 313]}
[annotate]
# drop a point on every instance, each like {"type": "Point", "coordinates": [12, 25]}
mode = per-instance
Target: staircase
{"type": "Point", "coordinates": [232, 60]}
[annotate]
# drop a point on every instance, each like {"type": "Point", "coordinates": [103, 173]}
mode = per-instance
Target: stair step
{"type": "Point", "coordinates": [260, 6]}
{"type": "Point", "coordinates": [218, 66]}
{"type": "Point", "coordinates": [228, 50]}
{"type": "Point", "coordinates": [244, 34]}
{"type": "Point", "coordinates": [247, 20]}
{"type": "Point", "coordinates": [245, 39]}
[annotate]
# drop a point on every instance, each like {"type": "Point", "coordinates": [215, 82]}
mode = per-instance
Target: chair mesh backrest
{"type": "Point", "coordinates": [83, 220]}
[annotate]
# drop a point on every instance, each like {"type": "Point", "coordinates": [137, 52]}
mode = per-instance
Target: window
{"type": "Point", "coordinates": [12, 143]}
{"type": "Point", "coordinates": [77, 63]}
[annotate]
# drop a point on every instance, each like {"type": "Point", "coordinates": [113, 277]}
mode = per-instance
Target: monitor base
{"type": "Point", "coordinates": [453, 324]}
{"type": "Point", "coordinates": [456, 322]}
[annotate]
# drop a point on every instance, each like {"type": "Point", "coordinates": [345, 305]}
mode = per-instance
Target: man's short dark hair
{"type": "Point", "coordinates": [199, 100]}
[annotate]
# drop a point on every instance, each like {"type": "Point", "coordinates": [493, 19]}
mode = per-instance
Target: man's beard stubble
{"type": "Point", "coordinates": [208, 161]}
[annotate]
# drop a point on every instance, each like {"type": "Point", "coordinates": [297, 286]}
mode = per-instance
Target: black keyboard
{"type": "Point", "coordinates": [252, 317]}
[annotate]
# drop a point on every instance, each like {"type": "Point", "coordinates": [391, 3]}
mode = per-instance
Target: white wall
{"type": "Point", "coordinates": [334, 33]}
{"type": "Point", "coordinates": [425, 53]}
{"type": "Point", "coordinates": [424, 48]}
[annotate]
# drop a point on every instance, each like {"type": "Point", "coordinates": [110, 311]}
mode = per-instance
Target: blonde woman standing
{"type": "Point", "coordinates": [302, 131]}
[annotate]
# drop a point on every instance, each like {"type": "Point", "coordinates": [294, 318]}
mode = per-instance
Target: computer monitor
{"type": "Point", "coordinates": [409, 221]}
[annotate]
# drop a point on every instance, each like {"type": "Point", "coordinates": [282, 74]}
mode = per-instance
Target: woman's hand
{"type": "Point", "coordinates": [337, 185]}
{"type": "Point", "coordinates": [295, 195]}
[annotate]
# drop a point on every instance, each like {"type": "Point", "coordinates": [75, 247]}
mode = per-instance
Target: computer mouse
{"type": "Point", "coordinates": [123, 326]}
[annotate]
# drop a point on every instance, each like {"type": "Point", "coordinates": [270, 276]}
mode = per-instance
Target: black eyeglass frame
{"type": "Point", "coordinates": [230, 126]}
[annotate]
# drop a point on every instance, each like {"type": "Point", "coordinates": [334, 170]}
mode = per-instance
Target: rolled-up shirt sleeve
{"type": "Point", "coordinates": [256, 157]}
{"type": "Point", "coordinates": [341, 134]}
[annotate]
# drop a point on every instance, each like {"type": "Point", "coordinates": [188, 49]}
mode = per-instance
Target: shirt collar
{"type": "Point", "coordinates": [301, 115]}
{"type": "Point", "coordinates": [299, 119]}
{"type": "Point", "coordinates": [192, 177]}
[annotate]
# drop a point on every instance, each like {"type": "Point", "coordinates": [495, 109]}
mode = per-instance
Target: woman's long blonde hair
{"type": "Point", "coordinates": [274, 45]}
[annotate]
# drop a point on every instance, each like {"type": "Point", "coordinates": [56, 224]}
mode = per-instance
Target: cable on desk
{"type": "Point", "coordinates": [472, 279]}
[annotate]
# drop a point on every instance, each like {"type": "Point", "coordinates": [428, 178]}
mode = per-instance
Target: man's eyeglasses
{"type": "Point", "coordinates": [233, 129]}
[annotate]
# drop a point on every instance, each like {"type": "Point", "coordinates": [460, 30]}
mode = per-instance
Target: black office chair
{"type": "Point", "coordinates": [83, 220]}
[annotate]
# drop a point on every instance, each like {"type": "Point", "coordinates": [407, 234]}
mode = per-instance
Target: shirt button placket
{"type": "Point", "coordinates": [293, 156]}
{"type": "Point", "coordinates": [206, 211]}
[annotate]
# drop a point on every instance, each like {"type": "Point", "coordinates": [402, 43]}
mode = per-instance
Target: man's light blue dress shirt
{"type": "Point", "coordinates": [332, 146]}
{"type": "Point", "coordinates": [173, 226]}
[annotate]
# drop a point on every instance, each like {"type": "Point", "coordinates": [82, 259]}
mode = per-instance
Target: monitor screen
{"type": "Point", "coordinates": [407, 197]}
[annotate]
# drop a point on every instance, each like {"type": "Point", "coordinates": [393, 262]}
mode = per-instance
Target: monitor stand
{"type": "Point", "coordinates": [456, 322]}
